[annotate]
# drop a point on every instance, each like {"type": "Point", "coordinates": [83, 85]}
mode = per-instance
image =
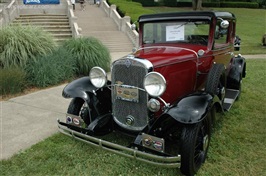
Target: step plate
{"type": "Point", "coordinates": [230, 97]}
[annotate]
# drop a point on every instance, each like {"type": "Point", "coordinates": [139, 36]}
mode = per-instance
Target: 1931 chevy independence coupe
{"type": "Point", "coordinates": [164, 96]}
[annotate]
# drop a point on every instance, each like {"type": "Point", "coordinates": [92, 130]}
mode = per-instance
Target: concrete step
{"type": "Point", "coordinates": [42, 16]}
{"type": "Point", "coordinates": [94, 22]}
{"type": "Point", "coordinates": [60, 35]}
{"type": "Point", "coordinates": [44, 23]}
{"type": "Point", "coordinates": [59, 41]}
{"type": "Point", "coordinates": [100, 28]}
{"type": "Point", "coordinates": [115, 36]}
{"type": "Point", "coordinates": [33, 20]}
{"type": "Point", "coordinates": [104, 24]}
{"type": "Point", "coordinates": [61, 27]}
{"type": "Point", "coordinates": [46, 26]}
{"type": "Point", "coordinates": [116, 41]}
{"type": "Point", "coordinates": [55, 31]}
{"type": "Point", "coordinates": [56, 25]}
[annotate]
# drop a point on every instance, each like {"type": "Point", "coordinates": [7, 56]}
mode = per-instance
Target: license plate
{"type": "Point", "coordinates": [127, 93]}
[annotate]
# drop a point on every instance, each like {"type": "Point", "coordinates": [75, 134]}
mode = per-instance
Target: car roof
{"type": "Point", "coordinates": [204, 15]}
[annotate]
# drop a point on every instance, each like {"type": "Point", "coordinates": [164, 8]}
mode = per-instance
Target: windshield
{"type": "Point", "coordinates": [195, 32]}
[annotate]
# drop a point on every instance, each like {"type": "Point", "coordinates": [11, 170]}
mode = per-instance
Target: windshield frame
{"type": "Point", "coordinates": [176, 32]}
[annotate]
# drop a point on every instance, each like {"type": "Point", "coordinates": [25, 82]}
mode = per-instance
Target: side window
{"type": "Point", "coordinates": [220, 36]}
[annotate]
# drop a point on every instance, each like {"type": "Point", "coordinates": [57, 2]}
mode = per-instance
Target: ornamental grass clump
{"type": "Point", "coordinates": [19, 44]}
{"type": "Point", "coordinates": [88, 52]}
{"type": "Point", "coordinates": [51, 69]}
{"type": "Point", "coordinates": [12, 81]}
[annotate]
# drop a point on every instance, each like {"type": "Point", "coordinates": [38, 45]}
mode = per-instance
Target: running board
{"type": "Point", "coordinates": [230, 97]}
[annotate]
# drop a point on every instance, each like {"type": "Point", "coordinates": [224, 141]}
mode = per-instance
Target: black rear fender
{"type": "Point", "coordinates": [237, 71]}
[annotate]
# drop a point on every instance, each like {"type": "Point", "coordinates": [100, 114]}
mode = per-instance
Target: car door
{"type": "Point", "coordinates": [223, 46]}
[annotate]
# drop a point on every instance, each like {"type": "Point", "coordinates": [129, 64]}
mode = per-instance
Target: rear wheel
{"type": "Point", "coordinates": [195, 141]}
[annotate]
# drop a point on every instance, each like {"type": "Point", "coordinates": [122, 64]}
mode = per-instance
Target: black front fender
{"type": "Point", "coordinates": [79, 88]}
{"type": "Point", "coordinates": [82, 88]}
{"type": "Point", "coordinates": [191, 109]}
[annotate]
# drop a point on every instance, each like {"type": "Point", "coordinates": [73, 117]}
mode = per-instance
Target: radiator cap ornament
{"type": "Point", "coordinates": [127, 63]}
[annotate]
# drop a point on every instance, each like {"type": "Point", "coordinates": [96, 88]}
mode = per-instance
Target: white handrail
{"type": "Point", "coordinates": [9, 13]}
{"type": "Point", "coordinates": [123, 24]}
{"type": "Point", "coordinates": [76, 31]}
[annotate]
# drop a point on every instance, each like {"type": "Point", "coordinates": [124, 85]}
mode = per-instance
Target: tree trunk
{"type": "Point", "coordinates": [194, 4]}
{"type": "Point", "coordinates": [197, 4]}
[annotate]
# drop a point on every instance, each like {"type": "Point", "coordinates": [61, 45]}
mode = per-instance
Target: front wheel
{"type": "Point", "coordinates": [195, 141]}
{"type": "Point", "coordinates": [78, 107]}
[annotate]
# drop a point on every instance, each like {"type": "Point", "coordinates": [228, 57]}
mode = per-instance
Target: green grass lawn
{"type": "Point", "coordinates": [237, 146]}
{"type": "Point", "coordinates": [251, 25]}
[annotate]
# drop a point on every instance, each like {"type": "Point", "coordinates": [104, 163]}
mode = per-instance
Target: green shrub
{"type": "Point", "coordinates": [240, 4]}
{"type": "Point", "coordinates": [51, 69]}
{"type": "Point", "coordinates": [262, 3]}
{"type": "Point", "coordinates": [211, 4]}
{"type": "Point", "coordinates": [170, 3]}
{"type": "Point", "coordinates": [88, 52]}
{"type": "Point", "coordinates": [184, 4]}
{"type": "Point", "coordinates": [235, 0]}
{"type": "Point", "coordinates": [221, 4]}
{"type": "Point", "coordinates": [18, 44]}
{"type": "Point", "coordinates": [147, 3]}
{"type": "Point", "coordinates": [12, 80]}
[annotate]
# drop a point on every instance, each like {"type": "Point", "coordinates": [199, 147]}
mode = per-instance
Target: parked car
{"type": "Point", "coordinates": [165, 95]}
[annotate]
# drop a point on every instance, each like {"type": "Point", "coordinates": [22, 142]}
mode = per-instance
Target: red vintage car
{"type": "Point", "coordinates": [164, 96]}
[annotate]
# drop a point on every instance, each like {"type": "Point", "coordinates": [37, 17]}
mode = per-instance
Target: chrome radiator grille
{"type": "Point", "coordinates": [131, 115]}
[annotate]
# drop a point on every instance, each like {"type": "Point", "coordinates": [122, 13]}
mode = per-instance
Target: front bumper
{"type": "Point", "coordinates": [164, 161]}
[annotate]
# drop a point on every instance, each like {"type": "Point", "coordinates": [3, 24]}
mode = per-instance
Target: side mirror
{"type": "Point", "coordinates": [224, 24]}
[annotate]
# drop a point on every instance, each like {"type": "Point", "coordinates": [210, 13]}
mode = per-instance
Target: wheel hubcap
{"type": "Point", "coordinates": [205, 142]}
{"type": "Point", "coordinates": [222, 93]}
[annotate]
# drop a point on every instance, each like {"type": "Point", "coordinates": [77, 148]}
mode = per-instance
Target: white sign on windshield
{"type": "Point", "coordinates": [175, 32]}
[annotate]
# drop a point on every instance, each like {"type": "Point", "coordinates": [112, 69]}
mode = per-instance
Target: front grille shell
{"type": "Point", "coordinates": [130, 71]}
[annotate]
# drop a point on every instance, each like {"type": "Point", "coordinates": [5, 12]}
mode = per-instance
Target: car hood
{"type": "Point", "coordinates": [165, 55]}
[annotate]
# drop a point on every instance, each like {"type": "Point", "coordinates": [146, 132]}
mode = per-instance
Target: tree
{"type": "Point", "coordinates": [197, 4]}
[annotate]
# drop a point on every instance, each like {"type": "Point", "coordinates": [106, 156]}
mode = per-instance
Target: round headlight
{"type": "Point", "coordinates": [98, 77]}
{"type": "Point", "coordinates": [154, 84]}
